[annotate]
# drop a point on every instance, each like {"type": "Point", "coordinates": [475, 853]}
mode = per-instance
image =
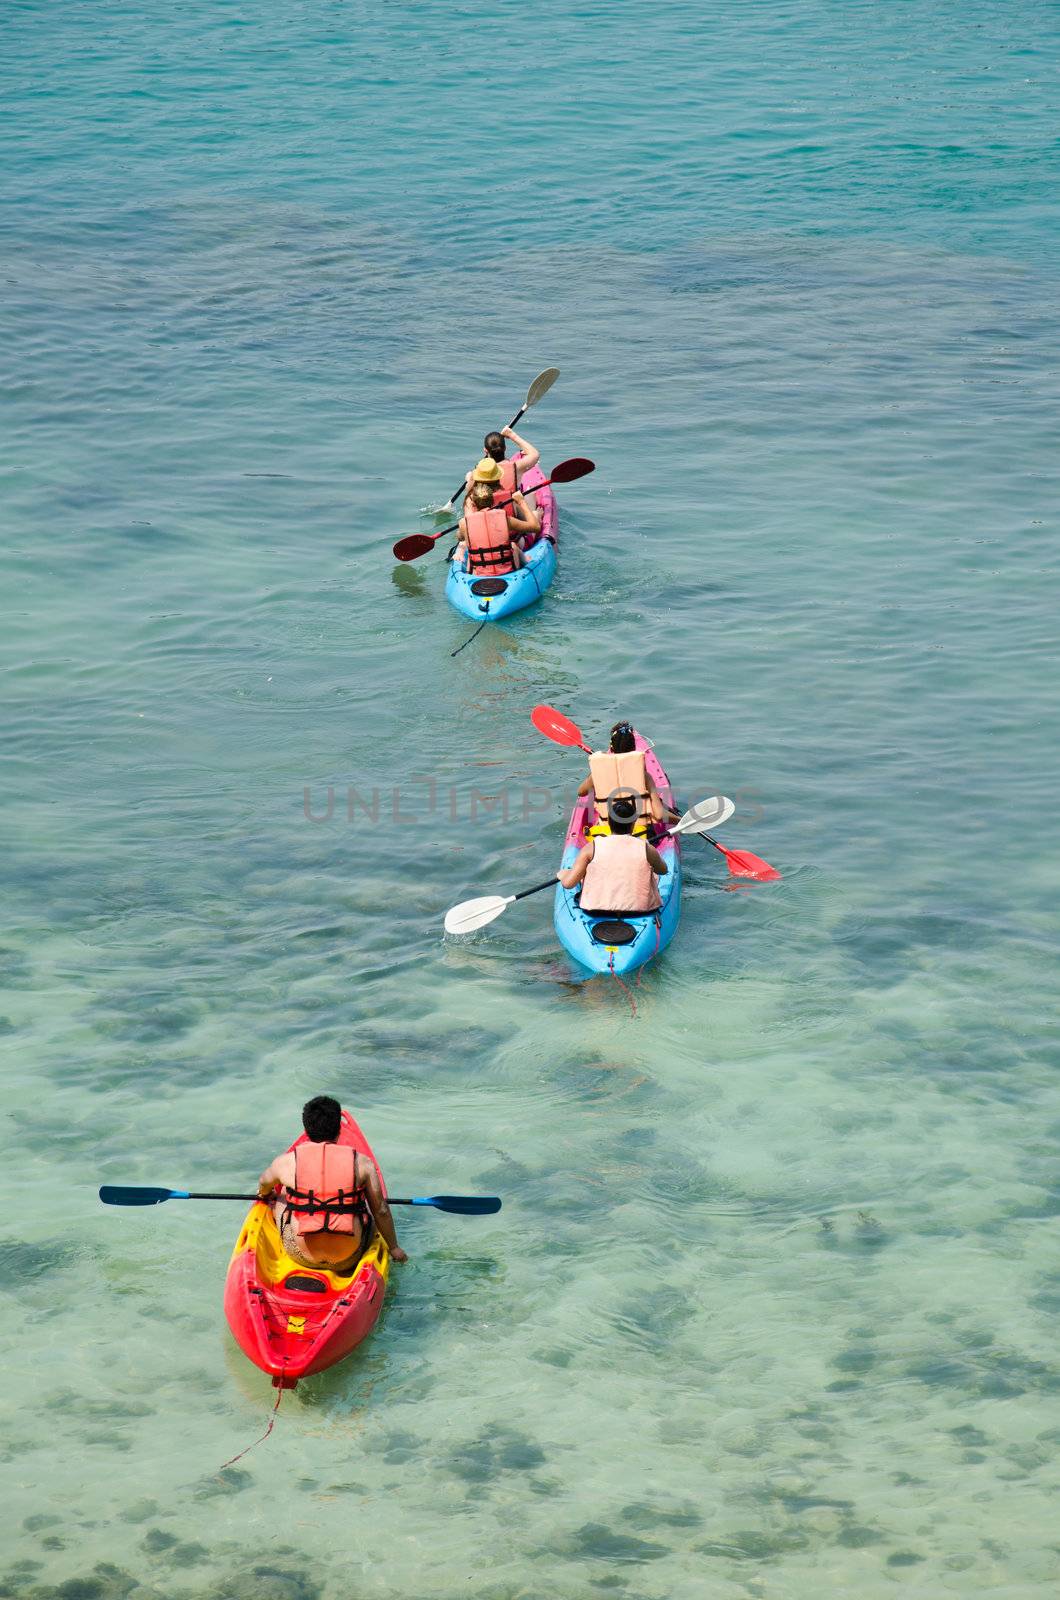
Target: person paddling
{"type": "Point", "coordinates": [492, 537]}
{"type": "Point", "coordinates": [328, 1198]}
{"type": "Point", "coordinates": [618, 873]}
{"type": "Point", "coordinates": [511, 468]}
{"type": "Point", "coordinates": [620, 770]}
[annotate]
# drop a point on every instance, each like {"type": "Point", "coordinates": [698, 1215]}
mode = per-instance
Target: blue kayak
{"type": "Point", "coordinates": [611, 942]}
{"type": "Point", "coordinates": [481, 599]}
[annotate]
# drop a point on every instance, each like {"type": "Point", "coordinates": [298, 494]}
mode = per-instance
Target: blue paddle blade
{"type": "Point", "coordinates": [115, 1195]}
{"type": "Point", "coordinates": [469, 1205]}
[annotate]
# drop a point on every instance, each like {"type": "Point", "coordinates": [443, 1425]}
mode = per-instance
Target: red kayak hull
{"type": "Point", "coordinates": [290, 1320]}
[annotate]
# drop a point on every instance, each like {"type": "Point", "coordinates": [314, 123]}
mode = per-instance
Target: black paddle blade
{"type": "Point", "coordinates": [471, 1205]}
{"type": "Point", "coordinates": [115, 1195]}
{"type": "Point", "coordinates": [576, 467]}
{"type": "Point", "coordinates": [416, 545]}
{"type": "Point", "coordinates": [468, 1204]}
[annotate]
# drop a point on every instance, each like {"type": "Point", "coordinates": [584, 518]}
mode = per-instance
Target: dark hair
{"type": "Point", "coordinates": [623, 812]}
{"type": "Point", "coordinates": [622, 738]}
{"type": "Point", "coordinates": [322, 1118]}
{"type": "Point", "coordinates": [494, 446]}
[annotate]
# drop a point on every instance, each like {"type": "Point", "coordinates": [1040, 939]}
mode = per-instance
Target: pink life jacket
{"type": "Point", "coordinates": [488, 542]}
{"type": "Point", "coordinates": [620, 877]}
{"type": "Point", "coordinates": [325, 1197]}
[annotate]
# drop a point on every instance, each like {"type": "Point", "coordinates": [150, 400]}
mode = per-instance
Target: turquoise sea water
{"type": "Point", "coordinates": [770, 1310]}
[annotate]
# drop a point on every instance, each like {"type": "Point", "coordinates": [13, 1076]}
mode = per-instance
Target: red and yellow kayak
{"type": "Point", "coordinates": [292, 1320]}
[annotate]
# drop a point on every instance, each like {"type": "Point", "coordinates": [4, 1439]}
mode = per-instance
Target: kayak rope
{"type": "Point", "coordinates": [478, 630]}
{"type": "Point", "coordinates": [265, 1435]}
{"type": "Point", "coordinates": [655, 952]}
{"type": "Point", "coordinates": [466, 642]}
{"type": "Point", "coordinates": [623, 986]}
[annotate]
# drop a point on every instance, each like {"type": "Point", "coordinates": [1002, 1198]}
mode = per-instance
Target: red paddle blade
{"type": "Point", "coordinates": [576, 467]}
{"type": "Point", "coordinates": [416, 545]}
{"type": "Point", "coordinates": [744, 864]}
{"type": "Point", "coordinates": [555, 726]}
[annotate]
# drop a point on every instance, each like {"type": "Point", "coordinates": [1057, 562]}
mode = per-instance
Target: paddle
{"type": "Point", "coordinates": [741, 863]}
{"type": "Point", "coordinates": [466, 1204]}
{"type": "Point", "coordinates": [560, 729]}
{"type": "Point", "coordinates": [537, 390]}
{"type": "Point", "coordinates": [744, 863]}
{"type": "Point", "coordinates": [473, 914]}
{"type": "Point", "coordinates": [419, 544]}
{"type": "Point", "coordinates": [707, 814]}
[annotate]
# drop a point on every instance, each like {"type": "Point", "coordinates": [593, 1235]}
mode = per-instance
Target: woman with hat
{"type": "Point", "coordinates": [493, 537]}
{"type": "Point", "coordinates": [490, 471]}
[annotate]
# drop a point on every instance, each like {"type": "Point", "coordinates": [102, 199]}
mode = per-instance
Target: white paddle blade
{"type": "Point", "coordinates": [706, 815]}
{"type": "Point", "coordinates": [472, 914]}
{"type": "Point", "coordinates": [540, 386]}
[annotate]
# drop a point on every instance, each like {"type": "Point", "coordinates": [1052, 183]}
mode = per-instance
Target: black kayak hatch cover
{"type": "Point", "coordinates": [485, 586]}
{"type": "Point", "coordinates": [613, 933]}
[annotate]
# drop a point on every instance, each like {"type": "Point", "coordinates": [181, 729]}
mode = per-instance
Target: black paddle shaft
{"type": "Point", "coordinates": [521, 412]}
{"type": "Point", "coordinates": [143, 1195]}
{"type": "Point", "coordinates": [423, 542]}
{"type": "Point", "coordinates": [225, 1197]}
{"type": "Point", "coordinates": [391, 1200]}
{"type": "Point", "coordinates": [454, 526]}
{"type": "Point", "coordinates": [549, 883]}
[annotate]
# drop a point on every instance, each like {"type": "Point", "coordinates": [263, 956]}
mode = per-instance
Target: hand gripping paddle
{"type": "Point", "coordinates": [473, 914]}
{"type": "Point", "coordinates": [415, 545]}
{"type": "Point", "coordinates": [537, 391]}
{"type": "Point", "coordinates": [741, 863]}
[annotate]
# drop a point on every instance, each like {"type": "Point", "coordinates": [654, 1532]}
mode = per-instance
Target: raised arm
{"type": "Point", "coordinates": [529, 454]}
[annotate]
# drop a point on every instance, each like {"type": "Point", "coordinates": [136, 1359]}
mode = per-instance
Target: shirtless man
{"type": "Point", "coordinates": [335, 1239]}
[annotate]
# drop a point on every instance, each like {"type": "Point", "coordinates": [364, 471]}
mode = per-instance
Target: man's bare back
{"type": "Point", "coordinates": [333, 1251]}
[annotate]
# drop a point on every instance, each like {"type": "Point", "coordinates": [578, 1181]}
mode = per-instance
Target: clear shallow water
{"type": "Point", "coordinates": [770, 1309]}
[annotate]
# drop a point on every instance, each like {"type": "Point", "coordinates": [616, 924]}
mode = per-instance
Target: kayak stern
{"type": "Point", "coordinates": [292, 1321]}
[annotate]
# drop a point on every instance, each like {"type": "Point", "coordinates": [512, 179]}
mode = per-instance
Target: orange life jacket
{"type": "Point", "coordinates": [325, 1197]}
{"type": "Point", "coordinates": [620, 877]}
{"type": "Point", "coordinates": [615, 776]}
{"type": "Point", "coordinates": [488, 541]}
